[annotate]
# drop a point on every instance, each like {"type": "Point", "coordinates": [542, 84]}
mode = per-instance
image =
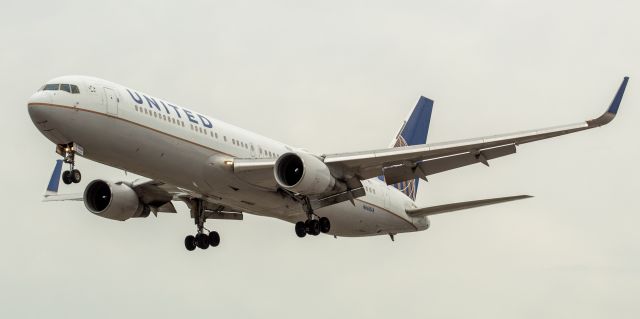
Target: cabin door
{"type": "Point", "coordinates": [111, 101]}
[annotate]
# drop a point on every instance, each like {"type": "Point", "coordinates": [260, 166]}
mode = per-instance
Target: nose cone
{"type": "Point", "coordinates": [46, 119]}
{"type": "Point", "coordinates": [36, 106]}
{"type": "Point", "coordinates": [39, 97]}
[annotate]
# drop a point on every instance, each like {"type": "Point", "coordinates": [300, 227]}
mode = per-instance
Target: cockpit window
{"type": "Point", "coordinates": [71, 88]}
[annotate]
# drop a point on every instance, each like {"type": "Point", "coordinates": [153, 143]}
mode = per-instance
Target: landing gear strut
{"type": "Point", "coordinates": [314, 225]}
{"type": "Point", "coordinates": [69, 153]}
{"type": "Point", "coordinates": [200, 239]}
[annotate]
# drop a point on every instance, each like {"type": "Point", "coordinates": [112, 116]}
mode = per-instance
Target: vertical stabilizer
{"type": "Point", "coordinates": [414, 131]}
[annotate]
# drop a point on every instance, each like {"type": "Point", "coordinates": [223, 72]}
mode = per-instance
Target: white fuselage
{"type": "Point", "coordinates": [136, 132]}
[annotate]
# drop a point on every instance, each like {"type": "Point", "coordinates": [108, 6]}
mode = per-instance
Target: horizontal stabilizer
{"type": "Point", "coordinates": [62, 197]}
{"type": "Point", "coordinates": [448, 208]}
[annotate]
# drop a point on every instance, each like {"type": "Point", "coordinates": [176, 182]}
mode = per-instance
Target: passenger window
{"type": "Point", "coordinates": [65, 87]}
{"type": "Point", "coordinates": [225, 138]}
{"type": "Point", "coordinates": [74, 89]}
{"type": "Point", "coordinates": [216, 135]}
{"type": "Point", "coordinates": [51, 87]}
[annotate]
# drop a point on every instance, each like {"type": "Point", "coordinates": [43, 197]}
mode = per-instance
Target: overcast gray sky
{"type": "Point", "coordinates": [334, 76]}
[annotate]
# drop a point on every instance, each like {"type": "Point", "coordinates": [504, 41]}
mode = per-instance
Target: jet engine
{"type": "Point", "coordinates": [303, 173]}
{"type": "Point", "coordinates": [115, 201]}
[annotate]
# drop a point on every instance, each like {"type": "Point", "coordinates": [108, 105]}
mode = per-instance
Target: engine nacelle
{"type": "Point", "coordinates": [303, 173]}
{"type": "Point", "coordinates": [115, 201]}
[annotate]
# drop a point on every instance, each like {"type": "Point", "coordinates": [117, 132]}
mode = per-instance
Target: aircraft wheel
{"type": "Point", "coordinates": [313, 227]}
{"type": "Point", "coordinates": [66, 177]}
{"type": "Point", "coordinates": [301, 229]}
{"type": "Point", "coordinates": [76, 177]}
{"type": "Point", "coordinates": [214, 239]}
{"type": "Point", "coordinates": [202, 241]}
{"type": "Point", "coordinates": [190, 243]}
{"type": "Point", "coordinates": [325, 225]}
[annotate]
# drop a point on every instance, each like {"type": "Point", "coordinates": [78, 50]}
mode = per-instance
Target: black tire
{"type": "Point", "coordinates": [325, 225]}
{"type": "Point", "coordinates": [202, 241]}
{"type": "Point", "coordinates": [301, 229]}
{"type": "Point", "coordinates": [313, 227]}
{"type": "Point", "coordinates": [76, 177]}
{"type": "Point", "coordinates": [190, 243]}
{"type": "Point", "coordinates": [214, 239]}
{"type": "Point", "coordinates": [66, 177]}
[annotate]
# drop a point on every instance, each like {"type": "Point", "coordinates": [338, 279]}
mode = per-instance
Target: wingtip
{"type": "Point", "coordinates": [612, 111]}
{"type": "Point", "coordinates": [615, 104]}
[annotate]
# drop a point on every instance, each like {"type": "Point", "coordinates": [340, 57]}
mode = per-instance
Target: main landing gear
{"type": "Point", "coordinates": [314, 225]}
{"type": "Point", "coordinates": [72, 175]}
{"type": "Point", "coordinates": [200, 240]}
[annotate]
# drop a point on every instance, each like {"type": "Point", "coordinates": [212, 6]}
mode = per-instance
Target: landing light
{"type": "Point", "coordinates": [228, 162]}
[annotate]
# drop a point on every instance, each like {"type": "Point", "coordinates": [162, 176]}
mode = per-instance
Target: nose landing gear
{"type": "Point", "coordinates": [68, 152]}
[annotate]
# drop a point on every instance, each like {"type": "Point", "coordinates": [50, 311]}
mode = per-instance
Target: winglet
{"type": "Point", "coordinates": [54, 182]}
{"type": "Point", "coordinates": [613, 108]}
{"type": "Point", "coordinates": [615, 104]}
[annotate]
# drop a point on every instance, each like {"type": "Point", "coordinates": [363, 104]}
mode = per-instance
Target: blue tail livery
{"type": "Point", "coordinates": [414, 131]}
{"type": "Point", "coordinates": [54, 182]}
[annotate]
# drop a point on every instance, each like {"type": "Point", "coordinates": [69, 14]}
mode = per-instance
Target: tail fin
{"type": "Point", "coordinates": [54, 182]}
{"type": "Point", "coordinates": [414, 131]}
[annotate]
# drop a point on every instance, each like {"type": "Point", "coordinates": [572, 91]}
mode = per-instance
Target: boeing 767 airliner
{"type": "Point", "coordinates": [222, 171]}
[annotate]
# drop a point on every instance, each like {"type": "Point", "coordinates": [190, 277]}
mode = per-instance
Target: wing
{"type": "Point", "coordinates": [406, 163]}
{"type": "Point", "coordinates": [157, 194]}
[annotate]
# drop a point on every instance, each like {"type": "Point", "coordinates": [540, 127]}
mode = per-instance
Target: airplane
{"type": "Point", "coordinates": [222, 171]}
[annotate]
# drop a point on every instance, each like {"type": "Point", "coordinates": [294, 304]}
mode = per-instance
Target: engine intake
{"type": "Point", "coordinates": [303, 173]}
{"type": "Point", "coordinates": [115, 201]}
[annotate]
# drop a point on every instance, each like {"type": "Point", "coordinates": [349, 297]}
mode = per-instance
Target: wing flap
{"type": "Point", "coordinates": [448, 208]}
{"type": "Point", "coordinates": [400, 173]}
